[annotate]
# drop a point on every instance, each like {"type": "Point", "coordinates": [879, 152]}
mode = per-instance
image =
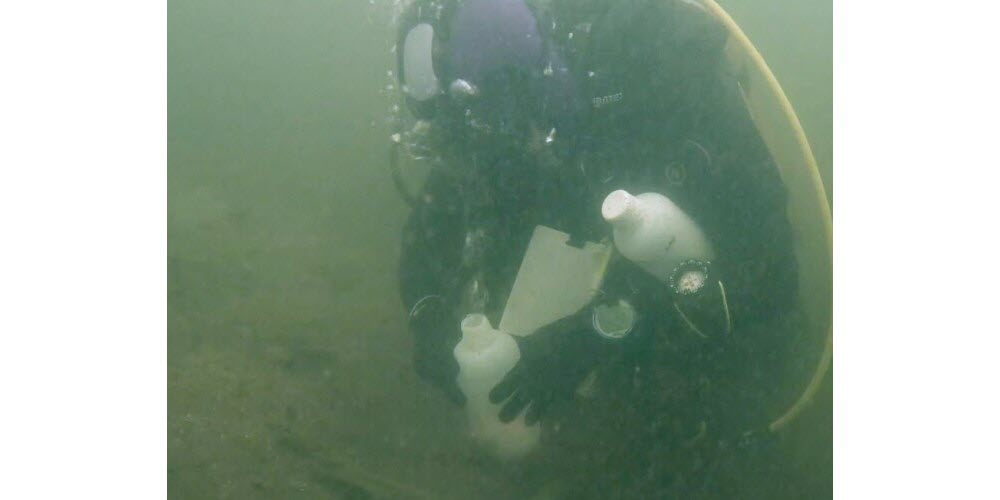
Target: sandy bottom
{"type": "Point", "coordinates": [289, 364]}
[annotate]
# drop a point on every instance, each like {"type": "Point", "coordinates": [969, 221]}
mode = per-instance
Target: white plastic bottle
{"type": "Point", "coordinates": [653, 232]}
{"type": "Point", "coordinates": [484, 356]}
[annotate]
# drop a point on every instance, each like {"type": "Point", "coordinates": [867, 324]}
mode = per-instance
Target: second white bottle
{"type": "Point", "coordinates": [652, 231]}
{"type": "Point", "coordinates": [484, 356]}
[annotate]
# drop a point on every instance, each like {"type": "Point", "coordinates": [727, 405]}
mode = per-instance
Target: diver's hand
{"type": "Point", "coordinates": [554, 360]}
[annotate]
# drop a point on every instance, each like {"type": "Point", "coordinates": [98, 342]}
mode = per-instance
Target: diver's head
{"type": "Point", "coordinates": [485, 70]}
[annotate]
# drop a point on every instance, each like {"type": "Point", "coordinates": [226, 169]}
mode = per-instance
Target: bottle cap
{"type": "Point", "coordinates": [620, 206]}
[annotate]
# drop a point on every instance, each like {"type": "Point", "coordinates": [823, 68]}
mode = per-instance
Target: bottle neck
{"type": "Point", "coordinates": [623, 211]}
{"type": "Point", "coordinates": [477, 332]}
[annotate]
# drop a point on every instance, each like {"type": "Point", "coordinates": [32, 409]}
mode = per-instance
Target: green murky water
{"type": "Point", "coordinates": [289, 363]}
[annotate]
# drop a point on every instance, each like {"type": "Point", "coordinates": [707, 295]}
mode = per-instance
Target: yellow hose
{"type": "Point", "coordinates": [775, 118]}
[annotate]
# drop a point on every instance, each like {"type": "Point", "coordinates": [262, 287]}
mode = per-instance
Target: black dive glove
{"type": "Point", "coordinates": [554, 360]}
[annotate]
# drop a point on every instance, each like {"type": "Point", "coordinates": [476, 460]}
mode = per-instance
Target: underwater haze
{"type": "Point", "coordinates": [290, 365]}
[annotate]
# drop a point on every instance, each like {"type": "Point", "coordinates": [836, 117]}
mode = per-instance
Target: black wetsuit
{"type": "Point", "coordinates": [663, 114]}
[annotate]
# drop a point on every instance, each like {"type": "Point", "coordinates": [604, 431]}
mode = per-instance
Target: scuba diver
{"type": "Point", "coordinates": [533, 112]}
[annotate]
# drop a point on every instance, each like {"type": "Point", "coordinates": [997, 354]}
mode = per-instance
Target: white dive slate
{"type": "Point", "coordinates": [555, 280]}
